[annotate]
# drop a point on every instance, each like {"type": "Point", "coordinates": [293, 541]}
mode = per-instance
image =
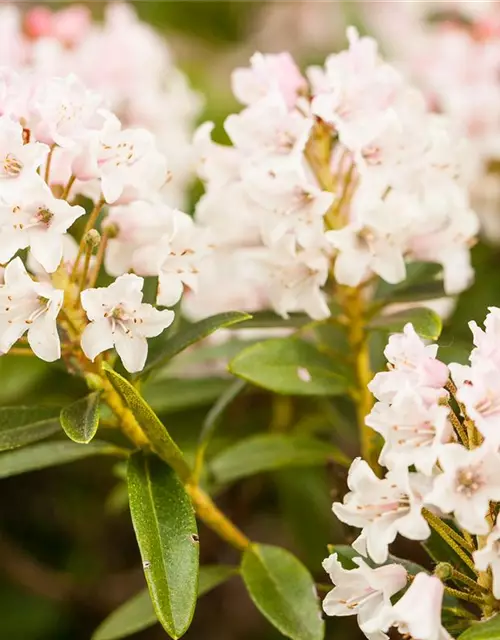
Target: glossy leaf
{"type": "Point", "coordinates": [215, 414]}
{"type": "Point", "coordinates": [290, 366]}
{"type": "Point", "coordinates": [166, 531]}
{"type": "Point", "coordinates": [51, 454]}
{"type": "Point", "coordinates": [283, 591]}
{"type": "Point", "coordinates": [426, 322]}
{"type": "Point", "coordinates": [269, 452]}
{"type": "Point", "coordinates": [81, 419]}
{"type": "Point", "coordinates": [487, 630]}
{"type": "Point", "coordinates": [20, 426]}
{"type": "Point", "coordinates": [188, 336]}
{"type": "Point", "coordinates": [149, 422]}
{"type": "Point", "coordinates": [138, 614]}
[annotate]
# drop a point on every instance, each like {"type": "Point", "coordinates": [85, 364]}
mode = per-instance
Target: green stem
{"type": "Point", "coordinates": [461, 595]}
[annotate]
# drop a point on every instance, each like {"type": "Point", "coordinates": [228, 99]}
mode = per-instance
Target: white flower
{"type": "Point", "coordinates": [418, 613]}
{"type": "Point", "coordinates": [180, 259]}
{"type": "Point", "coordinates": [413, 431]}
{"type": "Point", "coordinates": [383, 508]}
{"type": "Point", "coordinates": [296, 278]}
{"type": "Point", "coordinates": [469, 480]}
{"type": "Point", "coordinates": [267, 129]}
{"type": "Point", "coordinates": [29, 306]}
{"type": "Point", "coordinates": [18, 161]}
{"type": "Point", "coordinates": [67, 112]}
{"type": "Point", "coordinates": [412, 363]}
{"type": "Point", "coordinates": [37, 220]}
{"type": "Point", "coordinates": [120, 319]}
{"type": "Point", "coordinates": [489, 556]}
{"type": "Point", "coordinates": [364, 592]}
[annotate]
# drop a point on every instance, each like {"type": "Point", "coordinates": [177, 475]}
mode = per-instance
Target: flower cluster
{"type": "Point", "coordinates": [124, 60]}
{"type": "Point", "coordinates": [440, 426]}
{"type": "Point", "coordinates": [59, 147]}
{"type": "Point", "coordinates": [455, 59]}
{"type": "Point", "coordinates": [345, 169]}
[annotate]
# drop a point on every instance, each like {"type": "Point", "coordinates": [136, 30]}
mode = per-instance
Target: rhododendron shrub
{"type": "Point", "coordinates": [332, 222]}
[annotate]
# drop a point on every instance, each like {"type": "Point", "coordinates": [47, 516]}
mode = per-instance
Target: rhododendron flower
{"type": "Point", "coordinates": [28, 306]}
{"type": "Point", "coordinates": [413, 431]}
{"type": "Point", "coordinates": [18, 161]}
{"type": "Point", "coordinates": [119, 318]}
{"type": "Point", "coordinates": [418, 613]}
{"type": "Point", "coordinates": [469, 480]}
{"type": "Point", "coordinates": [39, 221]}
{"type": "Point", "coordinates": [383, 508]}
{"type": "Point", "coordinates": [364, 592]}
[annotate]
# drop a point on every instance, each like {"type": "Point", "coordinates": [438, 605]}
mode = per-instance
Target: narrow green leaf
{"type": "Point", "coordinates": [149, 422]}
{"type": "Point", "coordinates": [176, 394]}
{"type": "Point", "coordinates": [138, 614]}
{"type": "Point", "coordinates": [271, 320]}
{"type": "Point", "coordinates": [283, 591]}
{"type": "Point", "coordinates": [51, 454]}
{"type": "Point", "coordinates": [215, 413]}
{"type": "Point", "coordinates": [186, 337]}
{"type": "Point", "coordinates": [269, 452]}
{"type": "Point", "coordinates": [81, 419]}
{"type": "Point", "coordinates": [426, 322]}
{"type": "Point", "coordinates": [165, 527]}
{"type": "Point", "coordinates": [20, 426]}
{"type": "Point", "coordinates": [290, 366]}
{"type": "Point", "coordinates": [486, 630]}
{"type": "Point", "coordinates": [423, 282]}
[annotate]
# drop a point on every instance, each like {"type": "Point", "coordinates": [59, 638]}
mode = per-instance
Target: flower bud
{"type": "Point", "coordinates": [93, 238]}
{"type": "Point", "coordinates": [94, 382]}
{"type": "Point", "coordinates": [443, 571]}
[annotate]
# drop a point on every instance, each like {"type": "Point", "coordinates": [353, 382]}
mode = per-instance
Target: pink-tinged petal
{"type": "Point", "coordinates": [44, 339]}
{"type": "Point", "coordinates": [132, 349]}
{"type": "Point", "coordinates": [96, 338]}
{"type": "Point", "coordinates": [170, 289]}
{"type": "Point", "coordinates": [94, 303]}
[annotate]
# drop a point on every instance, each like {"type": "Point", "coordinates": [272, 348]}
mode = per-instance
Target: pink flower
{"type": "Point", "coordinates": [267, 73]}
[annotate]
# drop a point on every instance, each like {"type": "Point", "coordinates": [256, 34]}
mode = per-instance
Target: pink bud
{"type": "Point", "coordinates": [38, 22]}
{"type": "Point", "coordinates": [71, 25]}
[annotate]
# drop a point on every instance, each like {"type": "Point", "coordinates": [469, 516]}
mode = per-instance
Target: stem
{"type": "Point", "coordinates": [353, 304]}
{"type": "Point", "coordinates": [444, 531]}
{"type": "Point", "coordinates": [459, 428]}
{"type": "Point", "coordinates": [86, 264]}
{"type": "Point", "coordinates": [49, 162]}
{"type": "Point", "coordinates": [67, 188]}
{"type": "Point", "coordinates": [90, 224]}
{"type": "Point", "coordinates": [461, 577]}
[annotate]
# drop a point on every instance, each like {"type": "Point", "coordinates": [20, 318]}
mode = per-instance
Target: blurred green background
{"type": "Point", "coordinates": [68, 556]}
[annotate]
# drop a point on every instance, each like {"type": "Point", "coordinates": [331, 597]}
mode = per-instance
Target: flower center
{"type": "Point", "coordinates": [468, 481]}
{"type": "Point", "coordinates": [12, 166]}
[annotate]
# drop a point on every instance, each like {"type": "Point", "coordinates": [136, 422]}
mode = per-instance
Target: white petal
{"type": "Point", "coordinates": [132, 349]}
{"type": "Point", "coordinates": [170, 289]}
{"type": "Point", "coordinates": [44, 339]}
{"type": "Point", "coordinates": [47, 248]}
{"type": "Point", "coordinates": [155, 321]}
{"type": "Point", "coordinates": [96, 338]}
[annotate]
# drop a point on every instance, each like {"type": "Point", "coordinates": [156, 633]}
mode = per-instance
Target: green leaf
{"type": "Point", "coordinates": [138, 614]}
{"type": "Point", "coordinates": [149, 422]}
{"type": "Point", "coordinates": [51, 454]}
{"type": "Point", "coordinates": [215, 414]}
{"type": "Point", "coordinates": [426, 322]}
{"type": "Point", "coordinates": [175, 394]}
{"type": "Point", "coordinates": [271, 451]}
{"type": "Point", "coordinates": [486, 630]}
{"type": "Point", "coordinates": [283, 591]}
{"type": "Point", "coordinates": [195, 332]}
{"type": "Point", "coordinates": [81, 419]}
{"type": "Point", "coordinates": [423, 282]}
{"type": "Point", "coordinates": [270, 320]}
{"type": "Point", "coordinates": [20, 426]}
{"type": "Point", "coordinates": [290, 366]}
{"type": "Point", "coordinates": [165, 527]}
